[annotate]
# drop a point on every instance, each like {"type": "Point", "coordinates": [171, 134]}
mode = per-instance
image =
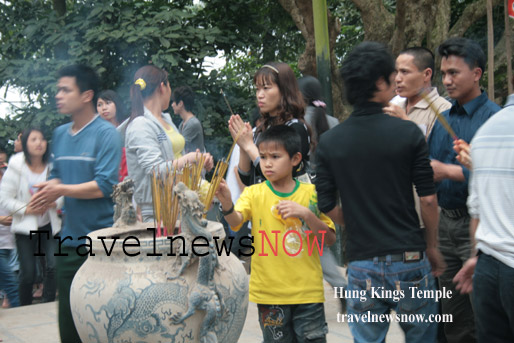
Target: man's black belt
{"type": "Point", "coordinates": [407, 256]}
{"type": "Point", "coordinates": [455, 213]}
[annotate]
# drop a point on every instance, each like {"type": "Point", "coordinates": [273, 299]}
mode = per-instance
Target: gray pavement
{"type": "Point", "coordinates": [38, 323]}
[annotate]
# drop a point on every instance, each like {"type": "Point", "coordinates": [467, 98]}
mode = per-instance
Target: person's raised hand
{"type": "Point", "coordinates": [395, 111]}
{"type": "Point", "coordinates": [463, 151]}
{"type": "Point", "coordinates": [240, 130]}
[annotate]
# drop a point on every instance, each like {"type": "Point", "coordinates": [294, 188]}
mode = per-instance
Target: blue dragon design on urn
{"type": "Point", "coordinates": [160, 295]}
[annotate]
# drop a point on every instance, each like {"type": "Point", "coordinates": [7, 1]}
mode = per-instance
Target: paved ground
{"type": "Point", "coordinates": [38, 323]}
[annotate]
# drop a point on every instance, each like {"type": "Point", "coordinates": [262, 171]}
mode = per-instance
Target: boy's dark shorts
{"type": "Point", "coordinates": [304, 323]}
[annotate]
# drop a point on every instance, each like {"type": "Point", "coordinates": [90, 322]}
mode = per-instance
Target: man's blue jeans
{"type": "Point", "coordinates": [8, 280]}
{"type": "Point", "coordinates": [386, 286]}
{"type": "Point", "coordinates": [493, 300]}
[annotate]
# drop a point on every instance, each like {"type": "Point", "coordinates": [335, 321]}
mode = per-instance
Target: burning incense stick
{"type": "Point", "coordinates": [234, 144]}
{"type": "Point", "coordinates": [440, 117]}
{"type": "Point", "coordinates": [226, 101]}
{"type": "Point", "coordinates": [12, 213]}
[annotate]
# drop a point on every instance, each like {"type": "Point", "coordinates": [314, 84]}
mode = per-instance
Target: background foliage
{"type": "Point", "coordinates": [116, 37]}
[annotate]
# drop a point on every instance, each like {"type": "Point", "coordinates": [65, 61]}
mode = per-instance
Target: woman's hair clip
{"type": "Point", "coordinates": [319, 103]}
{"type": "Point", "coordinates": [141, 83]}
{"type": "Point", "coordinates": [271, 67]}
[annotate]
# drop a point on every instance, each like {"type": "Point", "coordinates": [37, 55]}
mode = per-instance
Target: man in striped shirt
{"type": "Point", "coordinates": [490, 205]}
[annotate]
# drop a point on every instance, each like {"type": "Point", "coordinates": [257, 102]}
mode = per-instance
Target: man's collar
{"type": "Point", "coordinates": [367, 108]}
{"type": "Point", "coordinates": [471, 106]}
{"type": "Point", "coordinates": [83, 127]}
{"type": "Point", "coordinates": [430, 96]}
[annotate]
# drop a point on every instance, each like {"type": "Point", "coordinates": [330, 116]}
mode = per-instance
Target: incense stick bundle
{"type": "Point", "coordinates": [440, 117]}
{"type": "Point", "coordinates": [164, 201]}
{"type": "Point", "coordinates": [219, 174]}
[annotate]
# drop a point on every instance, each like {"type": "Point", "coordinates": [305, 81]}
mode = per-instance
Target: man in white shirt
{"type": "Point", "coordinates": [414, 73]}
{"type": "Point", "coordinates": [489, 273]}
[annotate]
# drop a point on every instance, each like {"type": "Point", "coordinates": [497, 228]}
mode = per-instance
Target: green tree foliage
{"type": "Point", "coordinates": [116, 38]}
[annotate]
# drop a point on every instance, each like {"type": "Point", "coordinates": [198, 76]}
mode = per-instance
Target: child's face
{"type": "Point", "coordinates": [276, 164]}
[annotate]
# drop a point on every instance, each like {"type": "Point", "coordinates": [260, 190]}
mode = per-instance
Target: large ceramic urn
{"type": "Point", "coordinates": [141, 288]}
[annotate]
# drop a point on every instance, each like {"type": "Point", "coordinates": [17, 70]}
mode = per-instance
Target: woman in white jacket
{"type": "Point", "coordinates": [152, 140]}
{"type": "Point", "coordinates": [26, 169]}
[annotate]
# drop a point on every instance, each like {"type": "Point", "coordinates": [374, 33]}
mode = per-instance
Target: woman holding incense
{"type": "Point", "coordinates": [25, 170]}
{"type": "Point", "coordinates": [152, 141]}
{"type": "Point", "coordinates": [280, 102]}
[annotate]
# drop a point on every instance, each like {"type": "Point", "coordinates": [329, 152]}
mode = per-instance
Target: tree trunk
{"type": "Point", "coordinates": [302, 15]}
{"type": "Point", "coordinates": [60, 7]}
{"type": "Point", "coordinates": [378, 21]}
{"type": "Point", "coordinates": [415, 23]}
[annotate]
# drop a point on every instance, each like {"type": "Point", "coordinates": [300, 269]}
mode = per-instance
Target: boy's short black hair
{"type": "Point", "coordinates": [364, 66]}
{"type": "Point", "coordinates": [186, 95]}
{"type": "Point", "coordinates": [85, 77]}
{"type": "Point", "coordinates": [284, 136]}
{"type": "Point", "coordinates": [466, 48]}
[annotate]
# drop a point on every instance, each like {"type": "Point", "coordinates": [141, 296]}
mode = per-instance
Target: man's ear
{"type": "Point", "coordinates": [297, 158]}
{"type": "Point", "coordinates": [478, 73]}
{"type": "Point", "coordinates": [87, 96]}
{"type": "Point", "coordinates": [381, 84]}
{"type": "Point", "coordinates": [427, 74]}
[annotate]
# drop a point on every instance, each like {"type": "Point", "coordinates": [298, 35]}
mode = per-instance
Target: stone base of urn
{"type": "Point", "coordinates": [201, 297]}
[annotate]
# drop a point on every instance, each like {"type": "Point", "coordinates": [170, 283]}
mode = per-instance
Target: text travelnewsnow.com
{"type": "Point", "coordinates": [131, 245]}
{"type": "Point", "coordinates": [369, 317]}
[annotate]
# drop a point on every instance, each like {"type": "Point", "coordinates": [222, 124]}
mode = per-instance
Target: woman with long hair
{"type": "Point", "coordinates": [152, 140]}
{"type": "Point", "coordinates": [315, 113]}
{"type": "Point", "coordinates": [111, 108]}
{"type": "Point", "coordinates": [280, 102]}
{"type": "Point", "coordinates": [25, 170]}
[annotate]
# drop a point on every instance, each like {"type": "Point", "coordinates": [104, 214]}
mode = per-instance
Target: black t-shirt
{"type": "Point", "coordinates": [372, 160]}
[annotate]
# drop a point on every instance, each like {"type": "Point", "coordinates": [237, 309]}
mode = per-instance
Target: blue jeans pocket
{"type": "Point", "coordinates": [359, 297]}
{"type": "Point", "coordinates": [420, 289]}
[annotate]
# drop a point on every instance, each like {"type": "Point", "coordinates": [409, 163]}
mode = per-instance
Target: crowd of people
{"type": "Point", "coordinates": [424, 205]}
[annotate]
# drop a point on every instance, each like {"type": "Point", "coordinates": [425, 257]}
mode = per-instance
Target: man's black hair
{"type": "Point", "coordinates": [364, 66]}
{"type": "Point", "coordinates": [186, 95]}
{"type": "Point", "coordinates": [85, 77]}
{"type": "Point", "coordinates": [466, 48]}
{"type": "Point", "coordinates": [282, 135]}
{"type": "Point", "coordinates": [423, 58]}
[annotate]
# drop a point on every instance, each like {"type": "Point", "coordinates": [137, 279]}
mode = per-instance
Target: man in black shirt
{"type": "Point", "coordinates": [376, 161]}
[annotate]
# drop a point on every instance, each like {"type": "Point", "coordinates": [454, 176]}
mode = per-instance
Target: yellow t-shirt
{"type": "Point", "coordinates": [177, 141]}
{"type": "Point", "coordinates": [278, 278]}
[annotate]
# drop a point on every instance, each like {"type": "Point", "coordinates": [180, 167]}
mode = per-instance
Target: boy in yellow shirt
{"type": "Point", "coordinates": [288, 234]}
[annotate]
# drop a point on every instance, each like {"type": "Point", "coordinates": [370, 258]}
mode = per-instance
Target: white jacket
{"type": "Point", "coordinates": [14, 194]}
